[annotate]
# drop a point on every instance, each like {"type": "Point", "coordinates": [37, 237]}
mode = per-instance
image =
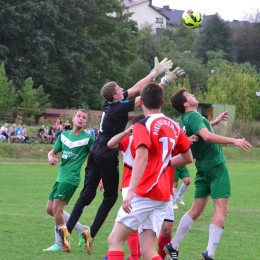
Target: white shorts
{"type": "Point", "coordinates": [169, 212]}
{"type": "Point", "coordinates": [146, 214]}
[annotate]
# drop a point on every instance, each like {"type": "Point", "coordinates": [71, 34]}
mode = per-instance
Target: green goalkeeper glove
{"type": "Point", "coordinates": [172, 75]}
{"type": "Point", "coordinates": [159, 68]}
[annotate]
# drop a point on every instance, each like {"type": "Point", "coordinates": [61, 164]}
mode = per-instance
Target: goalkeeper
{"type": "Point", "coordinates": [102, 161]}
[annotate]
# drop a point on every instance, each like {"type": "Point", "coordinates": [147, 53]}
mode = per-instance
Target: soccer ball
{"type": "Point", "coordinates": [191, 19]}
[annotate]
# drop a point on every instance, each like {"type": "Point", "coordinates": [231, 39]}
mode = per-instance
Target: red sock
{"type": "Point", "coordinates": [115, 255]}
{"type": "Point", "coordinates": [134, 246]}
{"type": "Point", "coordinates": [162, 242]}
{"type": "Point", "coordinates": [157, 258]}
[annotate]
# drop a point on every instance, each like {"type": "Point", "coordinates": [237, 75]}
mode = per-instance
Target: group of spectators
{"type": "Point", "coordinates": [14, 133]}
{"type": "Point", "coordinates": [45, 133]}
{"type": "Point", "coordinates": [50, 134]}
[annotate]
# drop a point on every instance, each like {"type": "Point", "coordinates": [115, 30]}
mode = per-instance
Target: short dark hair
{"type": "Point", "coordinates": [108, 91]}
{"type": "Point", "coordinates": [152, 95]}
{"type": "Point", "coordinates": [177, 100]}
{"type": "Point", "coordinates": [137, 118]}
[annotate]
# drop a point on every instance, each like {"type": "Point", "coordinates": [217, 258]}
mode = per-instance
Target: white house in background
{"type": "Point", "coordinates": [145, 13]}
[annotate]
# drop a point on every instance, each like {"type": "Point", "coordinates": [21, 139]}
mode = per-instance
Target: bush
{"type": "Point", "coordinates": [245, 129]}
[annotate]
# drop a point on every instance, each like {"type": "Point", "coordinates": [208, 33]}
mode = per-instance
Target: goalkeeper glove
{"type": "Point", "coordinates": [172, 75]}
{"type": "Point", "coordinates": [161, 67]}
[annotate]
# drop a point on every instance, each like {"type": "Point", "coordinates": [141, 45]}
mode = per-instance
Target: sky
{"type": "Point", "coordinates": [228, 9]}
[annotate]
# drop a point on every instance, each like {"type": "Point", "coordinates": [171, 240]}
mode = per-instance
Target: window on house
{"type": "Point", "coordinates": [157, 30]}
{"type": "Point", "coordinates": [159, 20]}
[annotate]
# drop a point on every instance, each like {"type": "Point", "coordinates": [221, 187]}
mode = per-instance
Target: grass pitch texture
{"type": "Point", "coordinates": [26, 229]}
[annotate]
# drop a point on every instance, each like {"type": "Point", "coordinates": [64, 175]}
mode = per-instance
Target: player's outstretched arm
{"type": "Point", "coordinates": [182, 159]}
{"type": "Point", "coordinates": [159, 68]}
{"type": "Point", "coordinates": [219, 139]}
{"type": "Point", "coordinates": [114, 141]}
{"type": "Point", "coordinates": [221, 117]}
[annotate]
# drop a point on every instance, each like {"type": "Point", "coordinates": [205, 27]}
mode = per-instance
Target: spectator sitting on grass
{"type": "Point", "coordinates": [41, 134]}
{"type": "Point", "coordinates": [51, 134]}
{"type": "Point", "coordinates": [46, 134]}
{"type": "Point", "coordinates": [11, 133]}
{"type": "Point", "coordinates": [58, 123]}
{"type": "Point", "coordinates": [4, 130]}
{"type": "Point", "coordinates": [24, 133]}
{"type": "Point", "coordinates": [67, 125]}
{"type": "Point", "coordinates": [90, 130]}
{"type": "Point", "coordinates": [2, 137]}
{"type": "Point", "coordinates": [19, 133]}
{"type": "Point", "coordinates": [59, 130]}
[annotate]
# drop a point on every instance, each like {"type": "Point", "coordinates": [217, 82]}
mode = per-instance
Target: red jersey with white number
{"type": "Point", "coordinates": [161, 136]}
{"type": "Point", "coordinates": [126, 145]}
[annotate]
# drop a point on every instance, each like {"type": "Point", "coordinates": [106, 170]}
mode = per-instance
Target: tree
{"type": "Point", "coordinates": [8, 96]}
{"type": "Point", "coordinates": [69, 47]}
{"type": "Point", "coordinates": [247, 40]}
{"type": "Point", "coordinates": [137, 70]}
{"type": "Point", "coordinates": [215, 36]}
{"type": "Point", "coordinates": [31, 100]}
{"type": "Point", "coordinates": [182, 38]}
{"type": "Point", "coordinates": [235, 84]}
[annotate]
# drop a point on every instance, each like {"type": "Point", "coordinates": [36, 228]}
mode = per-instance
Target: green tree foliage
{"type": "Point", "coordinates": [137, 70]}
{"type": "Point", "coordinates": [235, 84]}
{"type": "Point", "coordinates": [69, 47]}
{"type": "Point", "coordinates": [215, 36]}
{"type": "Point", "coordinates": [8, 96]}
{"type": "Point", "coordinates": [113, 48]}
{"type": "Point", "coordinates": [195, 70]}
{"type": "Point", "coordinates": [181, 37]}
{"type": "Point", "coordinates": [25, 38]}
{"type": "Point", "coordinates": [166, 44]}
{"type": "Point", "coordinates": [42, 98]}
{"type": "Point", "coordinates": [29, 103]}
{"type": "Point", "coordinates": [148, 45]}
{"type": "Point", "coordinates": [247, 40]}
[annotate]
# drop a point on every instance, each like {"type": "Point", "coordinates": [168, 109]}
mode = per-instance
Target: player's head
{"type": "Point", "coordinates": [182, 101]}
{"type": "Point", "coordinates": [177, 100]}
{"type": "Point", "coordinates": [112, 92]}
{"type": "Point", "coordinates": [137, 119]}
{"type": "Point", "coordinates": [80, 117]}
{"type": "Point", "coordinates": [152, 96]}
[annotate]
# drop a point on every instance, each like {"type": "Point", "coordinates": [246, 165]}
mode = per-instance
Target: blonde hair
{"type": "Point", "coordinates": [82, 110]}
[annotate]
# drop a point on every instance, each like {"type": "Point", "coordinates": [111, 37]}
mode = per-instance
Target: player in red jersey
{"type": "Point", "coordinates": [124, 142]}
{"type": "Point", "coordinates": [144, 206]}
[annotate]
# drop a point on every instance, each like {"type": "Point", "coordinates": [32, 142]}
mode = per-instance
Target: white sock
{"type": "Point", "coordinates": [185, 224]}
{"type": "Point", "coordinates": [175, 191]}
{"type": "Point", "coordinates": [78, 227]}
{"type": "Point", "coordinates": [182, 189]}
{"type": "Point", "coordinates": [215, 234]}
{"type": "Point", "coordinates": [57, 236]}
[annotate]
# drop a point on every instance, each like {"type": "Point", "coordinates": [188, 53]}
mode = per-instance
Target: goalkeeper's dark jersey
{"type": "Point", "coordinates": [113, 121]}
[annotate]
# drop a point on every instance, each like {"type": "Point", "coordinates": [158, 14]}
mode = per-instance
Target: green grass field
{"type": "Point", "coordinates": [25, 228]}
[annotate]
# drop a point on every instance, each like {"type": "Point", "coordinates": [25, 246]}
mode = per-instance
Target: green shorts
{"type": "Point", "coordinates": [62, 191]}
{"type": "Point", "coordinates": [214, 181]}
{"type": "Point", "coordinates": [181, 173]}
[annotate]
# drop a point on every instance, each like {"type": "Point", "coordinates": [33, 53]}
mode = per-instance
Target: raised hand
{"type": "Point", "coordinates": [172, 75]}
{"type": "Point", "coordinates": [159, 68]}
